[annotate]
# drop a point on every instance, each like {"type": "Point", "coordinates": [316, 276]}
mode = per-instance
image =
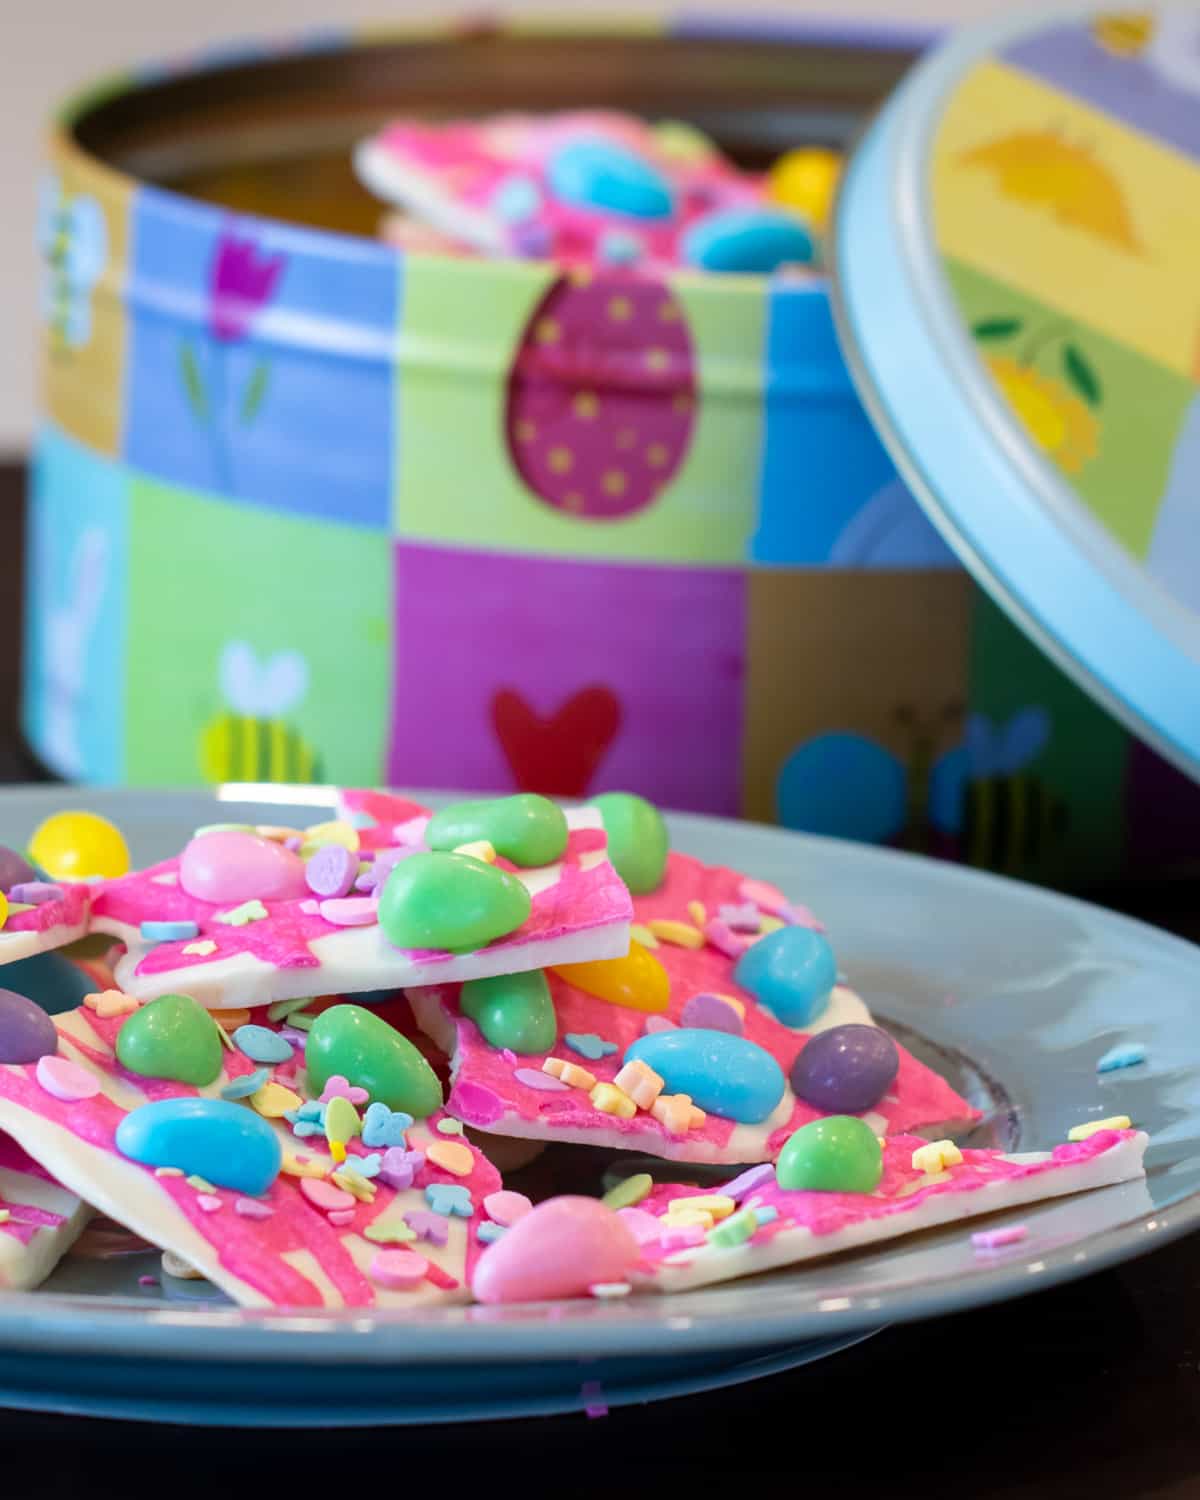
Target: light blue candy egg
{"type": "Point", "coordinates": [791, 972]}
{"type": "Point", "coordinates": [752, 240]}
{"type": "Point", "coordinates": [226, 1143]}
{"type": "Point", "coordinates": [724, 1074]}
{"type": "Point", "coordinates": [262, 1045]}
{"type": "Point", "coordinates": [597, 174]}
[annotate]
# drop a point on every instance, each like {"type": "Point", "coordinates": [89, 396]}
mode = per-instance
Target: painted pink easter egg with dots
{"type": "Point", "coordinates": [602, 394]}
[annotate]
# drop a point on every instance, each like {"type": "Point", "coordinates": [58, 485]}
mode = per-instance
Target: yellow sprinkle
{"type": "Point", "coordinates": [936, 1157]}
{"type": "Point", "coordinates": [201, 1184]}
{"type": "Point", "coordinates": [1090, 1127]}
{"type": "Point", "coordinates": [16, 907]}
{"type": "Point", "coordinates": [111, 1003]}
{"type": "Point", "coordinates": [682, 934]}
{"type": "Point", "coordinates": [201, 949]}
{"type": "Point", "coordinates": [337, 1150]}
{"type": "Point", "coordinates": [611, 1100]}
{"type": "Point", "coordinates": [452, 1156]}
{"type": "Point", "coordinates": [569, 1073]}
{"type": "Point", "coordinates": [918, 1184]}
{"type": "Point", "coordinates": [332, 832]}
{"type": "Point", "coordinates": [276, 833]}
{"type": "Point", "coordinates": [356, 1185]}
{"type": "Point", "coordinates": [226, 1039]}
{"type": "Point", "coordinates": [168, 1171]}
{"type": "Point", "coordinates": [680, 1218]}
{"type": "Point", "coordinates": [480, 849]}
{"type": "Point", "coordinates": [698, 912]}
{"type": "Point", "coordinates": [273, 1100]}
{"type": "Point", "coordinates": [716, 1204]}
{"type": "Point", "coordinates": [4, 1215]}
{"type": "Point", "coordinates": [640, 933]}
{"type": "Point", "coordinates": [769, 924]}
{"type": "Point", "coordinates": [295, 1168]}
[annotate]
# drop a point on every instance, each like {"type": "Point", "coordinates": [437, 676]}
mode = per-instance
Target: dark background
{"type": "Point", "coordinates": [1090, 1390]}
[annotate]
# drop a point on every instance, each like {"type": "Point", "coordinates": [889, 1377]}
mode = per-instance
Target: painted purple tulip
{"type": "Point", "coordinates": [241, 283]}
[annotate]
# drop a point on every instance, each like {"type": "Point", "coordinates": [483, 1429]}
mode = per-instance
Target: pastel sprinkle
{"type": "Point", "coordinates": [381, 1126]}
{"type": "Point", "coordinates": [742, 918]}
{"type": "Point", "coordinates": [439, 1278]}
{"type": "Point", "coordinates": [359, 1188]}
{"type": "Point", "coordinates": [452, 1157]}
{"type": "Point", "coordinates": [748, 1181]}
{"type": "Point", "coordinates": [209, 1202]}
{"type": "Point", "coordinates": [240, 916]}
{"type": "Point", "coordinates": [505, 1206]}
{"type": "Point", "coordinates": [341, 1121]}
{"type": "Point", "coordinates": [682, 1237]}
{"type": "Point", "coordinates": [341, 1217]}
{"type": "Point", "coordinates": [351, 911]}
{"type": "Point", "coordinates": [365, 1166]}
{"type": "Point", "coordinates": [642, 934]}
{"type": "Point", "coordinates": [338, 1087]}
{"type": "Point", "coordinates": [1123, 1055]}
{"type": "Point", "coordinates": [398, 1269]}
{"type": "Point", "coordinates": [766, 1213]}
{"type": "Point", "coordinates": [399, 1167]}
{"type": "Point", "coordinates": [65, 1079]}
{"type": "Point", "coordinates": [250, 1208]}
{"type": "Point", "coordinates": [658, 1023]}
{"type": "Point", "coordinates": [326, 1196]}
{"type": "Point", "coordinates": [1077, 1132]}
{"type": "Point", "coordinates": [449, 1127]}
{"type": "Point", "coordinates": [247, 1084]}
{"type": "Point", "coordinates": [679, 934]}
{"type": "Point", "coordinates": [735, 1230]}
{"type": "Point", "coordinates": [200, 1184]}
{"type": "Point", "coordinates": [300, 1021]}
{"type": "Point", "coordinates": [609, 1289]}
{"type": "Point", "coordinates": [284, 1008]}
{"type": "Point", "coordinates": [428, 1226]}
{"type": "Point", "coordinates": [449, 1199]}
{"type": "Point", "coordinates": [261, 1045]}
{"type": "Point", "coordinates": [111, 1003]}
{"type": "Point", "coordinates": [629, 1192]}
{"type": "Point", "coordinates": [996, 1239]}
{"type": "Point", "coordinates": [273, 1100]}
{"type": "Point", "coordinates": [202, 949]}
{"type": "Point", "coordinates": [389, 1234]}
{"type": "Point", "coordinates": [168, 1171]}
{"type": "Point", "coordinates": [488, 1233]}
{"type": "Point", "coordinates": [168, 932]}
{"type": "Point", "coordinates": [532, 1079]}
{"type": "Point", "coordinates": [588, 1044]}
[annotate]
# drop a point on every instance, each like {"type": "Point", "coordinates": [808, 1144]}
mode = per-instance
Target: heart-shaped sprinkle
{"type": "Point", "coordinates": [397, 1269]}
{"type": "Point", "coordinates": [325, 1196]}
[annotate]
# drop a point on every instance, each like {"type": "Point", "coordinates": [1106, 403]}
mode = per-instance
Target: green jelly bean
{"type": "Point", "coordinates": [527, 829]}
{"type": "Point", "coordinates": [838, 1154]}
{"type": "Point", "coordinates": [172, 1037]}
{"type": "Point", "coordinates": [637, 839]}
{"type": "Point", "coordinates": [371, 1055]}
{"type": "Point", "coordinates": [450, 901]}
{"type": "Point", "coordinates": [512, 1010]}
{"type": "Point", "coordinates": [629, 1191]}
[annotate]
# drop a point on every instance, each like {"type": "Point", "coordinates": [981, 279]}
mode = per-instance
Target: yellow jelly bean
{"type": "Point", "coordinates": [79, 846]}
{"type": "Point", "coordinates": [333, 832]}
{"type": "Point", "coordinates": [806, 179]}
{"type": "Point", "coordinates": [3, 908]}
{"type": "Point", "coordinates": [638, 981]}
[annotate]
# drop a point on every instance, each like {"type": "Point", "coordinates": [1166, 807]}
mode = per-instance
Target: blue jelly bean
{"type": "Point", "coordinates": [225, 1143]}
{"type": "Point", "coordinates": [598, 174]}
{"type": "Point", "coordinates": [169, 932]}
{"type": "Point", "coordinates": [791, 971]}
{"type": "Point", "coordinates": [752, 240]}
{"type": "Point", "coordinates": [262, 1045]}
{"type": "Point", "coordinates": [725, 1075]}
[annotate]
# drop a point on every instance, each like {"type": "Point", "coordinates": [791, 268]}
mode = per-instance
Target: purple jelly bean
{"type": "Point", "coordinates": [846, 1069]}
{"type": "Point", "coordinates": [26, 1032]}
{"type": "Point", "coordinates": [331, 871]}
{"type": "Point", "coordinates": [15, 869]}
{"type": "Point", "coordinates": [36, 892]}
{"type": "Point", "coordinates": [711, 1013]}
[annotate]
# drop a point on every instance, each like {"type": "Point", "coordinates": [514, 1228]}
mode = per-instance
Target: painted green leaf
{"type": "Point", "coordinates": [996, 328]}
{"type": "Point", "coordinates": [192, 383]}
{"type": "Point", "coordinates": [256, 390]}
{"type": "Point", "coordinates": [1081, 375]}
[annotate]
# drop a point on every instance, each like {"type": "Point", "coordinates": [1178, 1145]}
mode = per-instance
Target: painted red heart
{"type": "Point", "coordinates": [559, 755]}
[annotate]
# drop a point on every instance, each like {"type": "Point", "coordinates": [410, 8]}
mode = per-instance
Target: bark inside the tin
{"type": "Point", "coordinates": [274, 136]}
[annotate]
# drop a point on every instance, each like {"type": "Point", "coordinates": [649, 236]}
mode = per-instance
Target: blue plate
{"type": "Point", "coordinates": [1012, 992]}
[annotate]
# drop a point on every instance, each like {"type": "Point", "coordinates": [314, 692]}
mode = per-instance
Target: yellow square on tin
{"type": "Point", "coordinates": [83, 241]}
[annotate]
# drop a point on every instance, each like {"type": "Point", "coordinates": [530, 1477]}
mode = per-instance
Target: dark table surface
{"type": "Point", "coordinates": [1092, 1389]}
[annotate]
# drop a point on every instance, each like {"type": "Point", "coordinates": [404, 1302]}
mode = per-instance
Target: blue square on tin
{"type": "Point", "coordinates": [73, 693]}
{"type": "Point", "coordinates": [828, 496]}
{"type": "Point", "coordinates": [262, 361]}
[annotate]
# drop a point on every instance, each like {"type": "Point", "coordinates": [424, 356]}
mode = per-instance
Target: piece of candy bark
{"type": "Point", "coordinates": [585, 188]}
{"type": "Point", "coordinates": [40, 916]}
{"type": "Point", "coordinates": [39, 1219]}
{"type": "Point", "coordinates": [680, 1101]}
{"type": "Point", "coordinates": [771, 1227]}
{"type": "Point", "coordinates": [191, 1171]}
{"type": "Point", "coordinates": [256, 926]}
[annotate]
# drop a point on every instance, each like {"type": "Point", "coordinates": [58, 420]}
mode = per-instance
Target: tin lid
{"type": "Point", "coordinates": [1018, 297]}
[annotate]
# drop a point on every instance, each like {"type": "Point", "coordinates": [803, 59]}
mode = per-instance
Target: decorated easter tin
{"type": "Point", "coordinates": [292, 519]}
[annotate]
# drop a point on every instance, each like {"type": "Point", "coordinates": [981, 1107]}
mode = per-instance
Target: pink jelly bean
{"type": "Point", "coordinates": [558, 1249]}
{"type": "Point", "coordinates": [351, 911]}
{"type": "Point", "coordinates": [506, 1207]}
{"type": "Point", "coordinates": [235, 867]}
{"type": "Point", "coordinates": [66, 1080]}
{"type": "Point", "coordinates": [326, 1196]}
{"type": "Point", "coordinates": [399, 1269]}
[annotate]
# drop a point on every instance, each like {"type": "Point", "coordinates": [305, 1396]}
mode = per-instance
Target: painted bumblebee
{"type": "Point", "coordinates": [251, 739]}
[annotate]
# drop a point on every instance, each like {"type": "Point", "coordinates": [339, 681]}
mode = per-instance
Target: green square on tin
{"type": "Point", "coordinates": [258, 644]}
{"type": "Point", "coordinates": [1106, 415]}
{"type": "Point", "coordinates": [579, 467]}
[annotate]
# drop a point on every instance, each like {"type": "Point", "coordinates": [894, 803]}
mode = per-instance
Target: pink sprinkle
{"type": "Point", "coordinates": [209, 1202]}
{"type": "Point", "coordinates": [439, 1278]}
{"type": "Point", "coordinates": [642, 1225]}
{"type": "Point", "coordinates": [326, 1196]}
{"type": "Point", "coordinates": [682, 1238]}
{"type": "Point", "coordinates": [400, 1269]}
{"type": "Point", "coordinates": [508, 1055]}
{"type": "Point", "coordinates": [66, 1080]}
{"type": "Point", "coordinates": [800, 916]}
{"type": "Point", "coordinates": [658, 1023]}
{"type": "Point", "coordinates": [350, 911]}
{"type": "Point", "coordinates": [506, 1207]}
{"type": "Point", "coordinates": [147, 1281]}
{"type": "Point", "coordinates": [250, 1208]}
{"type": "Point", "coordinates": [341, 1217]}
{"type": "Point", "coordinates": [743, 918]}
{"type": "Point", "coordinates": [310, 908]}
{"type": "Point", "coordinates": [996, 1239]}
{"type": "Point", "coordinates": [762, 893]}
{"type": "Point", "coordinates": [533, 1079]}
{"type": "Point", "coordinates": [724, 939]}
{"type": "Point", "coordinates": [412, 831]}
{"type": "Point", "coordinates": [593, 1399]}
{"type": "Point", "coordinates": [337, 1086]}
